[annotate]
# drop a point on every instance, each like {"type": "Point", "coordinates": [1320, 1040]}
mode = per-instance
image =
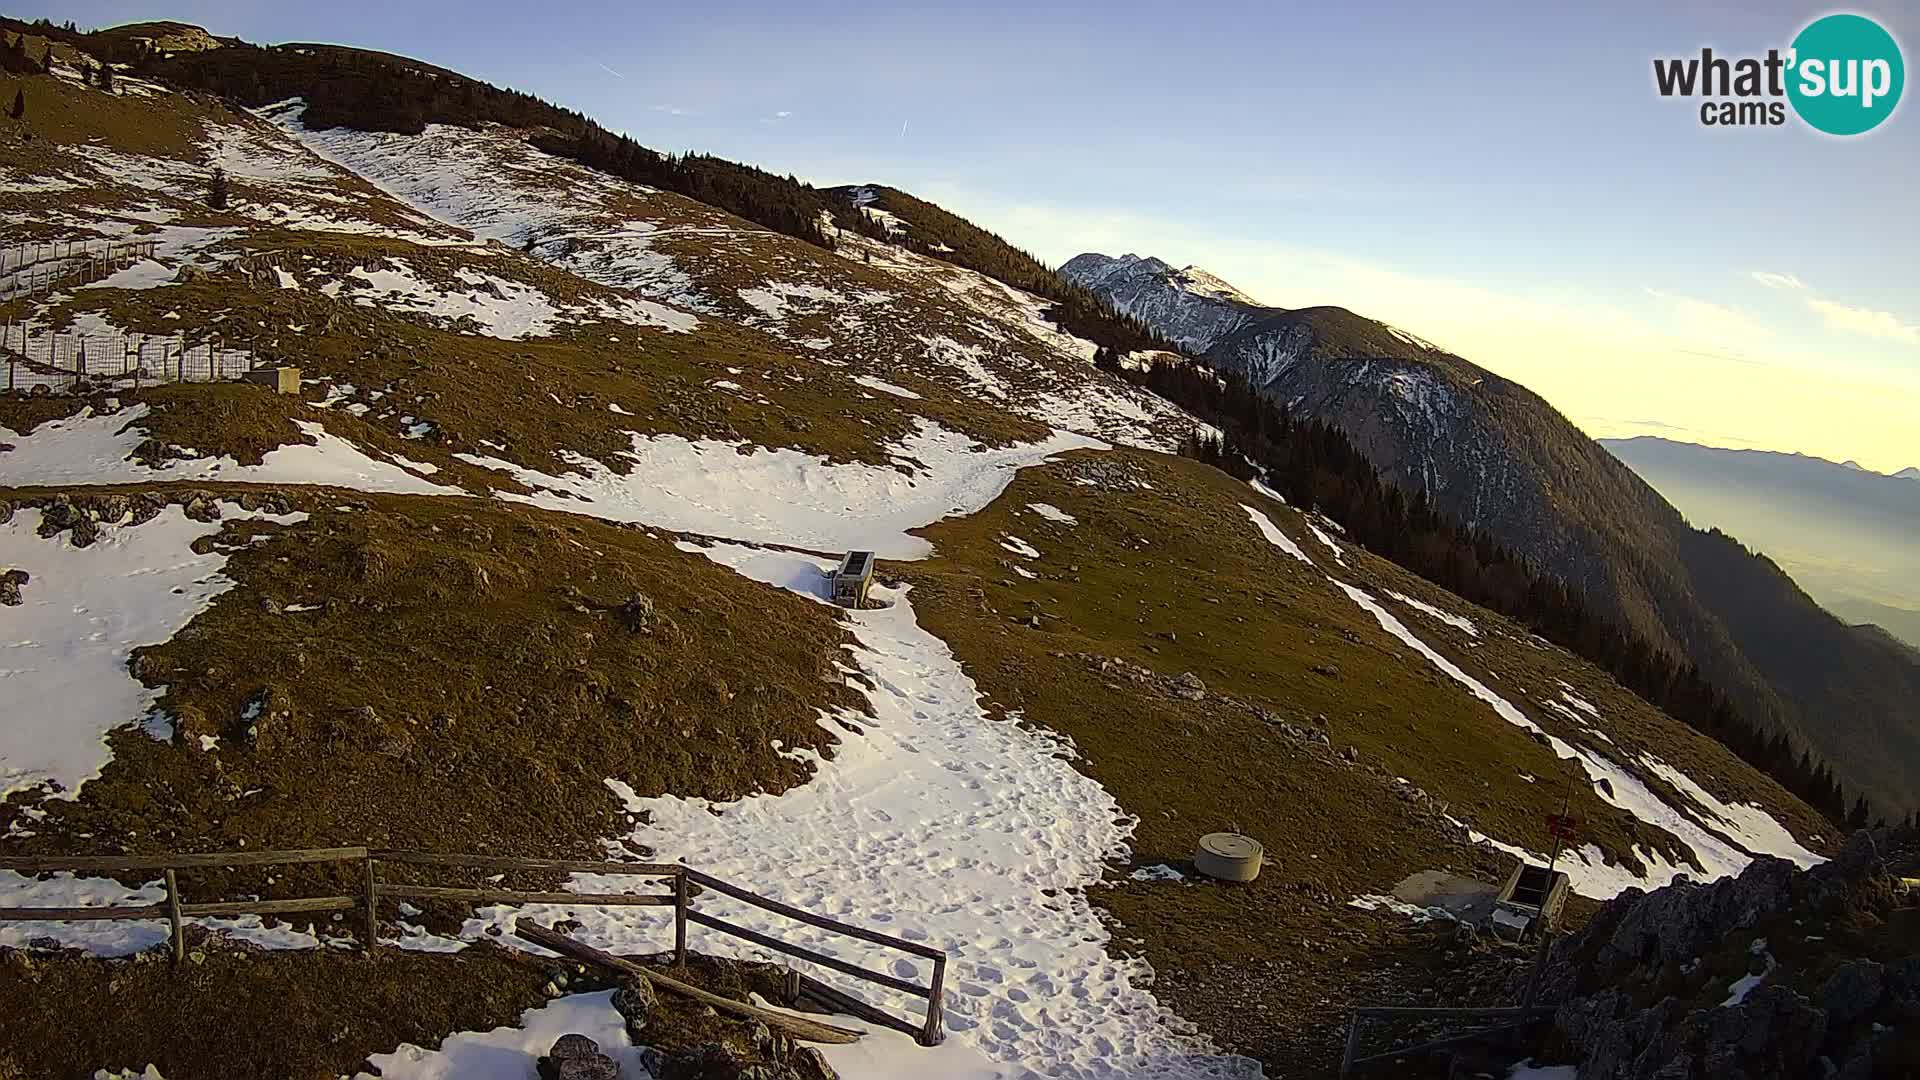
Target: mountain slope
{"type": "Point", "coordinates": [1497, 457]}
{"type": "Point", "coordinates": [543, 536]}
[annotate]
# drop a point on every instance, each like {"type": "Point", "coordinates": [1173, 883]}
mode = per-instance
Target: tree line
{"type": "Point", "coordinates": [368, 91]}
{"type": "Point", "coordinates": [939, 234]}
{"type": "Point", "coordinates": [1316, 467]}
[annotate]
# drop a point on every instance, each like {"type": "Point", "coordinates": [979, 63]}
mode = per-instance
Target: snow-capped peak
{"type": "Point", "coordinates": [1195, 280]}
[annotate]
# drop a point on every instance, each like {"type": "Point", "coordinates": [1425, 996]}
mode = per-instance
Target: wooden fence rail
{"type": "Point", "coordinates": [1513, 1019]}
{"type": "Point", "coordinates": [685, 884]}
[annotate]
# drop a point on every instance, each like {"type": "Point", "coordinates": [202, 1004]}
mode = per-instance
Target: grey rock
{"type": "Point", "coordinates": [1852, 992]}
{"type": "Point", "coordinates": [576, 1057]}
{"type": "Point", "coordinates": [200, 507]}
{"type": "Point", "coordinates": [637, 613]}
{"type": "Point", "coordinates": [1187, 687]}
{"type": "Point", "coordinates": [567, 1047]}
{"type": "Point", "coordinates": [810, 1064]}
{"type": "Point", "coordinates": [636, 1001]}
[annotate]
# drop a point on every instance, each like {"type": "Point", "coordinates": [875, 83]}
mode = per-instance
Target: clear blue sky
{"type": "Point", "coordinates": [1500, 178]}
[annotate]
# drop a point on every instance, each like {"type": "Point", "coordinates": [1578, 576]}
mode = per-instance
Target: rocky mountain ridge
{"type": "Point", "coordinates": [1497, 457]}
{"type": "Point", "coordinates": [1773, 975]}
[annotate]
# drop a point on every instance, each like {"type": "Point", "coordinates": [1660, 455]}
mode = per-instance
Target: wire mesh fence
{"type": "Point", "coordinates": [41, 357]}
{"type": "Point", "coordinates": [38, 268]}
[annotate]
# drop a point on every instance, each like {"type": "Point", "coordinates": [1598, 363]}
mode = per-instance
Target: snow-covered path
{"type": "Point", "coordinates": [940, 825]}
{"type": "Point", "coordinates": [936, 823]}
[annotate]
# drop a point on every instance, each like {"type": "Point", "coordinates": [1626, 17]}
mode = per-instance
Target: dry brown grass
{"type": "Point", "coordinates": [1177, 579]}
{"type": "Point", "coordinates": [465, 680]}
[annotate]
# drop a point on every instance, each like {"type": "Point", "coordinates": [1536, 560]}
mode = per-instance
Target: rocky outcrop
{"type": "Point", "coordinates": [1683, 984]}
{"type": "Point", "coordinates": [1191, 308]}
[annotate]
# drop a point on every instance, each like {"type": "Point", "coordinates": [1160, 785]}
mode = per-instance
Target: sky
{"type": "Point", "coordinates": [1500, 179]}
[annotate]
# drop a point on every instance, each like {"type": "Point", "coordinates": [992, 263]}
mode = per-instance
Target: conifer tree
{"type": "Point", "coordinates": [19, 109]}
{"type": "Point", "coordinates": [106, 77]}
{"type": "Point", "coordinates": [217, 191]}
{"type": "Point", "coordinates": [46, 59]}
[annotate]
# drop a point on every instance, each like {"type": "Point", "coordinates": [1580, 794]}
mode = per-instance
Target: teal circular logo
{"type": "Point", "coordinates": [1846, 74]}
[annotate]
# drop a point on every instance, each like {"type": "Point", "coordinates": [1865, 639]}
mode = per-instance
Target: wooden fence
{"type": "Point", "coordinates": [684, 885]}
{"type": "Point", "coordinates": [1506, 1020]}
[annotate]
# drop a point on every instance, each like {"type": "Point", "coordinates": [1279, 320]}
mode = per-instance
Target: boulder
{"type": "Point", "coordinates": [202, 507]}
{"type": "Point", "coordinates": [1852, 992]}
{"type": "Point", "coordinates": [636, 614]}
{"type": "Point", "coordinates": [576, 1057]}
{"type": "Point", "coordinates": [636, 1001]}
{"type": "Point", "coordinates": [1187, 687]}
{"type": "Point", "coordinates": [57, 516]}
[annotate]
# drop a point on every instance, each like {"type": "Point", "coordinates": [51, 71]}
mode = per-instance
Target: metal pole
{"type": "Point", "coordinates": [1546, 935]}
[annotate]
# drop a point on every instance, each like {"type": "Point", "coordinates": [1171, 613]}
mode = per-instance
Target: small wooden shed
{"type": "Point", "coordinates": [854, 578]}
{"type": "Point", "coordinates": [1530, 901]}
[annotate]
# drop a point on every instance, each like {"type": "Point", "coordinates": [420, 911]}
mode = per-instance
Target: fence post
{"type": "Point", "coordinates": [1353, 1045]}
{"type": "Point", "coordinates": [173, 918]}
{"type": "Point", "coordinates": [932, 1035]}
{"type": "Point", "coordinates": [680, 917]}
{"type": "Point", "coordinates": [373, 909]}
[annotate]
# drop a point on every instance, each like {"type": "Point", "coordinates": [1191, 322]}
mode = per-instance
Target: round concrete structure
{"type": "Point", "coordinates": [1228, 856]}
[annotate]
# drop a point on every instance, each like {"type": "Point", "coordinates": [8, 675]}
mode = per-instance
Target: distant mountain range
{"type": "Point", "coordinates": [1909, 473]}
{"type": "Point", "coordinates": [1845, 533]}
{"type": "Point", "coordinates": [1496, 456]}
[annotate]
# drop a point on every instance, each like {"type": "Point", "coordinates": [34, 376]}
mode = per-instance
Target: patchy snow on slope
{"type": "Point", "coordinates": [1396, 906]}
{"type": "Point", "coordinates": [145, 274]}
{"type": "Point", "coordinates": [90, 448]}
{"type": "Point", "coordinates": [492, 183]}
{"type": "Point", "coordinates": [510, 1053]}
{"type": "Point", "coordinates": [938, 824]}
{"type": "Point", "coordinates": [1053, 513]}
{"type": "Point", "coordinates": [502, 309]}
{"type": "Point", "coordinates": [1587, 869]}
{"type": "Point", "coordinates": [1019, 547]}
{"type": "Point", "coordinates": [63, 661]}
{"type": "Point", "coordinates": [128, 936]}
{"type": "Point", "coordinates": [968, 361]}
{"type": "Point", "coordinates": [1458, 622]}
{"type": "Point", "coordinates": [1258, 485]}
{"type": "Point", "coordinates": [1321, 535]}
{"type": "Point", "coordinates": [1273, 534]}
{"type": "Point", "coordinates": [775, 298]}
{"type": "Point", "coordinates": [727, 489]}
{"type": "Point", "coordinates": [1747, 825]}
{"type": "Point", "coordinates": [885, 387]}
